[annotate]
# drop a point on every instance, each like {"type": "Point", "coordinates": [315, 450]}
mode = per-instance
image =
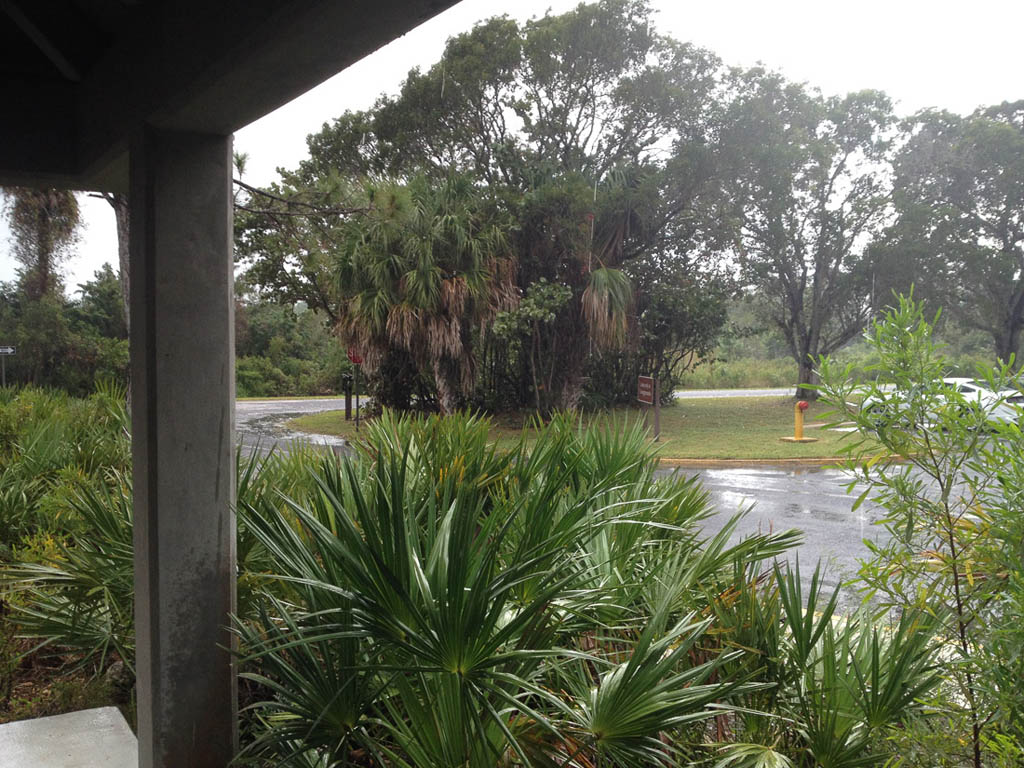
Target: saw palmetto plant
{"type": "Point", "coordinates": [438, 603]}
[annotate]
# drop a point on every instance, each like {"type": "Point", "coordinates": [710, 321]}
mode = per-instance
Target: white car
{"type": "Point", "coordinates": [973, 387]}
{"type": "Point", "coordinates": [1001, 407]}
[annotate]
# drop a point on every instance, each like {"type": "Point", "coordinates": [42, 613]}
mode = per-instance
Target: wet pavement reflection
{"type": "Point", "coordinates": [810, 499]}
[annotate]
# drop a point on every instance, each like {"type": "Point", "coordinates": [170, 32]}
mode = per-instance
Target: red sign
{"type": "Point", "coordinates": [354, 357]}
{"type": "Point", "coordinates": [645, 389]}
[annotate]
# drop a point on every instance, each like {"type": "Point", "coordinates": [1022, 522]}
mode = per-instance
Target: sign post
{"type": "Point", "coordinates": [356, 359]}
{"type": "Point", "coordinates": [5, 350]}
{"type": "Point", "coordinates": [647, 392]}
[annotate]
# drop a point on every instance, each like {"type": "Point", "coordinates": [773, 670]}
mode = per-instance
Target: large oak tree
{"type": "Point", "coordinates": [809, 188]}
{"type": "Point", "coordinates": [959, 193]}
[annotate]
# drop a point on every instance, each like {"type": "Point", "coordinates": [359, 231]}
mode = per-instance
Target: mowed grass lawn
{"type": "Point", "coordinates": [704, 428]}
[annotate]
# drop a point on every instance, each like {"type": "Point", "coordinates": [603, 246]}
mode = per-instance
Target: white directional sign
{"type": "Point", "coordinates": [5, 349]}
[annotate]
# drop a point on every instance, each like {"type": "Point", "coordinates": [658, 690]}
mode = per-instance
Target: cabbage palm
{"type": "Point", "coordinates": [422, 270]}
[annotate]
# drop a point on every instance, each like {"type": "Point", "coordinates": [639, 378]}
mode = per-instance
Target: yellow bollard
{"type": "Point", "coordinates": [798, 425]}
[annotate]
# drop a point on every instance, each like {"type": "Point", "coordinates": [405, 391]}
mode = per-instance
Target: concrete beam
{"type": "Point", "coordinates": [191, 65]}
{"type": "Point", "coordinates": [214, 67]}
{"type": "Point", "coordinates": [38, 139]}
{"type": "Point", "coordinates": [182, 367]}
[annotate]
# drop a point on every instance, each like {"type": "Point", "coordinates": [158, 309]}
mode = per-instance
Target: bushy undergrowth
{"type": "Point", "coordinates": [53, 447]}
{"type": "Point", "coordinates": [435, 602]}
{"type": "Point", "coordinates": [755, 372]}
{"type": "Point", "coordinates": [741, 373]}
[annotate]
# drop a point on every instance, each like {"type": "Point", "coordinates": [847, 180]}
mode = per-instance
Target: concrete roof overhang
{"type": "Point", "coordinates": [80, 77]}
{"type": "Point", "coordinates": [83, 81]}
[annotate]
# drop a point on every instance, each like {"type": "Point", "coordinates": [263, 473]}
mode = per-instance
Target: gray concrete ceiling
{"type": "Point", "coordinates": [79, 77]}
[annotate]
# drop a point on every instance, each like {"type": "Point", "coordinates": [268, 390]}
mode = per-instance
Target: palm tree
{"type": "Point", "coordinates": [44, 223]}
{"type": "Point", "coordinates": [419, 272]}
{"type": "Point", "coordinates": [571, 235]}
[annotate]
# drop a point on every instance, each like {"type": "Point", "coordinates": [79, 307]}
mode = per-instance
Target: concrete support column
{"type": "Point", "coordinates": [182, 366]}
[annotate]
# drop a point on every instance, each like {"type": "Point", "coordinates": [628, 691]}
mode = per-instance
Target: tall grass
{"type": "Point", "coordinates": [741, 373]}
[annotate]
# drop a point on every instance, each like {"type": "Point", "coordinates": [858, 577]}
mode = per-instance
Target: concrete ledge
{"type": "Point", "coordinates": [92, 738]}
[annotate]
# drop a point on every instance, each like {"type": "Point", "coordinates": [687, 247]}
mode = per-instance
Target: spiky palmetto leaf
{"type": "Point", "coordinates": [422, 569]}
{"type": "Point", "coordinates": [606, 302]}
{"type": "Point", "coordinates": [845, 678]}
{"type": "Point", "coordinates": [470, 597]}
{"type": "Point", "coordinates": [84, 599]}
{"type": "Point", "coordinates": [321, 697]}
{"type": "Point", "coordinates": [655, 690]}
{"type": "Point", "coordinates": [740, 755]}
{"type": "Point", "coordinates": [435, 602]}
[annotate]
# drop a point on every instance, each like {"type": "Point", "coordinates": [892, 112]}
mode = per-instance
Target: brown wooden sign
{"type": "Point", "coordinates": [645, 389]}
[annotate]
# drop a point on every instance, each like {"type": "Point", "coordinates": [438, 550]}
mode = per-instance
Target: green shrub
{"type": "Point", "coordinates": [77, 591]}
{"type": "Point", "coordinates": [437, 603]}
{"type": "Point", "coordinates": [53, 446]}
{"type": "Point", "coordinates": [259, 377]}
{"type": "Point", "coordinates": [433, 602]}
{"type": "Point", "coordinates": [952, 482]}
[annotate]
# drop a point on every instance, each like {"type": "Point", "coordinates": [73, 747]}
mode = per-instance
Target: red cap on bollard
{"type": "Point", "coordinates": [803, 405]}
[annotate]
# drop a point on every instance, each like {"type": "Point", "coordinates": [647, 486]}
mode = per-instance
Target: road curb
{"type": "Point", "coordinates": [724, 463]}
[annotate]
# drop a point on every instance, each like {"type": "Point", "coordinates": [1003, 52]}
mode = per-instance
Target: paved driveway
{"type": "Point", "coordinates": [687, 394]}
{"type": "Point", "coordinates": [262, 422]}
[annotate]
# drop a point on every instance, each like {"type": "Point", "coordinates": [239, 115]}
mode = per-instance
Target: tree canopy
{"type": "Point", "coordinates": [809, 189]}
{"type": "Point", "coordinates": [590, 140]}
{"type": "Point", "coordinates": [960, 198]}
{"type": "Point", "coordinates": [635, 184]}
{"type": "Point", "coordinates": [44, 224]}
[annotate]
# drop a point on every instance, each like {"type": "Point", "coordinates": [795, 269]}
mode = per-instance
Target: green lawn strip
{"type": "Point", "coordinates": [700, 428]}
{"type": "Point", "coordinates": [339, 398]}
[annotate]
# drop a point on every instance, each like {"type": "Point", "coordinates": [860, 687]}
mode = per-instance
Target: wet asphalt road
{"type": "Point", "coordinates": [261, 423]}
{"type": "Point", "coordinates": [811, 499]}
{"type": "Point", "coordinates": [686, 394]}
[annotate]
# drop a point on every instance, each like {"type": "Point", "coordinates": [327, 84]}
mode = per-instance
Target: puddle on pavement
{"type": "Point", "coordinates": [273, 427]}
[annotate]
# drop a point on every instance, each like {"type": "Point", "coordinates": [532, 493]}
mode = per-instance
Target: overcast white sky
{"type": "Point", "coordinates": [945, 53]}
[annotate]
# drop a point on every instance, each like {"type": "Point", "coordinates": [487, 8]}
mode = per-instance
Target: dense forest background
{"type": "Point", "coordinates": [558, 206]}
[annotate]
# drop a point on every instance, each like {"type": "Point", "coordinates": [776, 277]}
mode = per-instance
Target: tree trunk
{"type": "Point", "coordinates": [119, 202]}
{"type": "Point", "coordinates": [572, 392]}
{"type": "Point", "coordinates": [122, 215]}
{"type": "Point", "coordinates": [807, 376]}
{"type": "Point", "coordinates": [1007, 342]}
{"type": "Point", "coordinates": [447, 393]}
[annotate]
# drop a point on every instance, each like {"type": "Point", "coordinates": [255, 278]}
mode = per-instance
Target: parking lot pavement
{"type": "Point", "coordinates": [810, 499]}
{"type": "Point", "coordinates": [263, 423]}
{"type": "Point", "coordinates": [685, 394]}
